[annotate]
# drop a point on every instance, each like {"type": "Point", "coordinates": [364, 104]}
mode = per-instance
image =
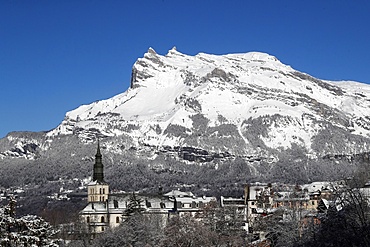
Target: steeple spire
{"type": "Point", "coordinates": [98, 166]}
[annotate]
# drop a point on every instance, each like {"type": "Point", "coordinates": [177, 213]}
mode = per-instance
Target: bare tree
{"type": "Point", "coordinates": [346, 222]}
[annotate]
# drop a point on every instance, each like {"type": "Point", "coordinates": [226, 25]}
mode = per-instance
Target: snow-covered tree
{"type": "Point", "coordinates": [28, 230]}
{"type": "Point", "coordinates": [136, 231]}
{"type": "Point", "coordinates": [134, 206]}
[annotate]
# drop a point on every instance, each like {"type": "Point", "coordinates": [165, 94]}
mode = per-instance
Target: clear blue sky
{"type": "Point", "coordinates": [56, 55]}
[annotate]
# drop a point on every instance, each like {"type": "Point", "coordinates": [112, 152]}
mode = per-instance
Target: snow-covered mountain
{"type": "Point", "coordinates": [176, 97]}
{"type": "Point", "coordinates": [206, 107]}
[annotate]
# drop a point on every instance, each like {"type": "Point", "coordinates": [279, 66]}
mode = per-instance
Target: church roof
{"type": "Point", "coordinates": [96, 182]}
{"type": "Point", "coordinates": [177, 193]}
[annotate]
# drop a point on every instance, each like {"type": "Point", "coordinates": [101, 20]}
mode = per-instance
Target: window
{"type": "Point", "coordinates": [102, 229]}
{"type": "Point", "coordinates": [117, 219]}
{"type": "Point", "coordinates": [100, 190]}
{"type": "Point", "coordinates": [87, 219]}
{"type": "Point", "coordinates": [103, 190]}
{"type": "Point", "coordinates": [102, 219]}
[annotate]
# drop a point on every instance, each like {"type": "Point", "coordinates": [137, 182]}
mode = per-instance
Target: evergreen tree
{"type": "Point", "coordinates": [134, 206]}
{"type": "Point", "coordinates": [28, 230]}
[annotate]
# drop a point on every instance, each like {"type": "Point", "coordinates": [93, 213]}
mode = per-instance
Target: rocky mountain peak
{"type": "Point", "coordinates": [171, 90]}
{"type": "Point", "coordinates": [207, 107]}
{"type": "Point", "coordinates": [241, 115]}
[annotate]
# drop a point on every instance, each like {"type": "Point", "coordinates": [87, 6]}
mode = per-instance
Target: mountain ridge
{"type": "Point", "coordinates": [246, 108]}
{"type": "Point", "coordinates": [172, 90]}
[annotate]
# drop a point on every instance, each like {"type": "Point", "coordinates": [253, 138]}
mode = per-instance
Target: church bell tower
{"type": "Point", "coordinates": [98, 189]}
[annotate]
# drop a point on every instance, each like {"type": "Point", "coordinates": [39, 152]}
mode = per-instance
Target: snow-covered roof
{"type": "Point", "coordinates": [96, 183]}
{"type": "Point", "coordinates": [94, 207]}
{"type": "Point", "coordinates": [177, 193]}
{"type": "Point", "coordinates": [203, 199]}
{"type": "Point", "coordinates": [316, 186]}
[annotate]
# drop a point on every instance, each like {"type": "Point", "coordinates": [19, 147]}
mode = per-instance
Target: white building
{"type": "Point", "coordinates": [106, 209]}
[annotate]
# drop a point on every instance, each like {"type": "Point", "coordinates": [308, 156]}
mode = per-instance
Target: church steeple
{"type": "Point", "coordinates": [98, 166]}
{"type": "Point", "coordinates": [98, 189]}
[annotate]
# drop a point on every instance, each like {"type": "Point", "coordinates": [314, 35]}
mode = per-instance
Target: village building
{"type": "Point", "coordinates": [263, 200]}
{"type": "Point", "coordinates": [256, 201]}
{"type": "Point", "coordinates": [106, 209]}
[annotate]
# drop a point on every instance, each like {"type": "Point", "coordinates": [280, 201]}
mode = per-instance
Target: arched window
{"type": "Point", "coordinates": [100, 190]}
{"type": "Point", "coordinates": [103, 190]}
{"type": "Point", "coordinates": [117, 219]}
{"type": "Point", "coordinates": [87, 219]}
{"type": "Point", "coordinates": [102, 219]}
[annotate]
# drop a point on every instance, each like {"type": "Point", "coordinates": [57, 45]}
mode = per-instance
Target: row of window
{"type": "Point", "coordinates": [148, 204]}
{"type": "Point", "coordinates": [102, 219]}
{"type": "Point", "coordinates": [101, 191]}
{"type": "Point", "coordinates": [101, 198]}
{"type": "Point", "coordinates": [190, 205]}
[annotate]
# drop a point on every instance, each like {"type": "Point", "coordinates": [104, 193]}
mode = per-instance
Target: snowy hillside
{"type": "Point", "coordinates": [172, 95]}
